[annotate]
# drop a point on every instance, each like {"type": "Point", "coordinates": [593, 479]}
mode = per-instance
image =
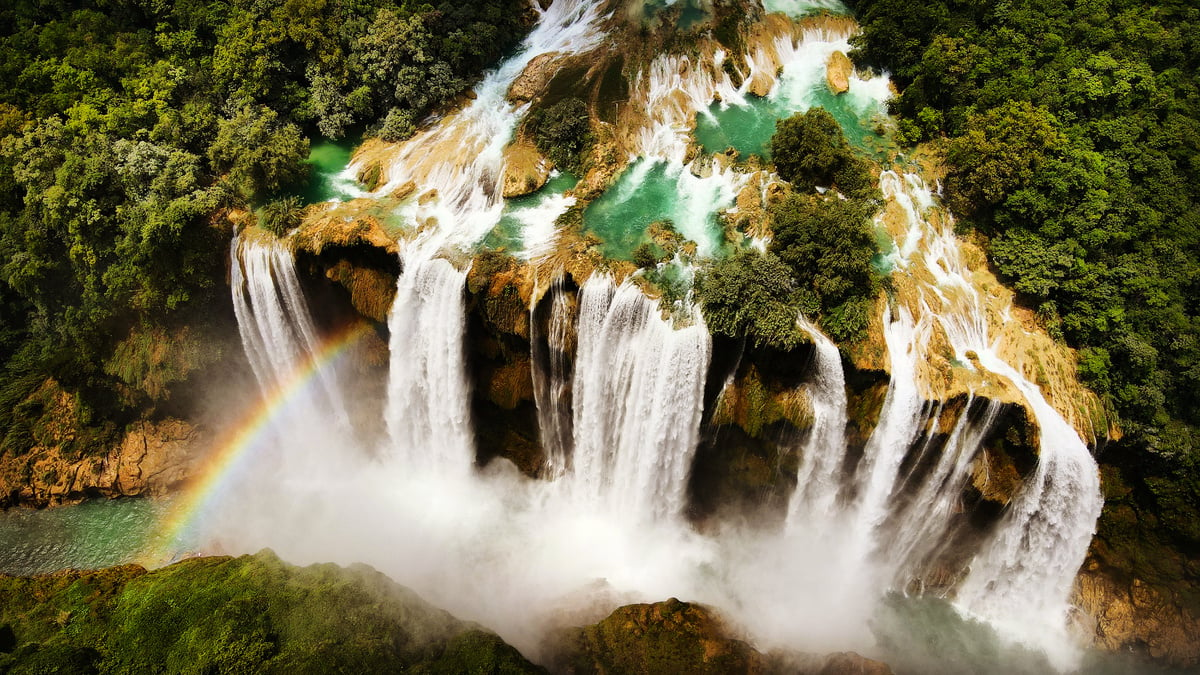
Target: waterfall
{"type": "Point", "coordinates": [901, 419]}
{"type": "Point", "coordinates": [275, 323]}
{"type": "Point", "coordinates": [551, 380]}
{"type": "Point", "coordinates": [922, 527]}
{"type": "Point", "coordinates": [1021, 579]}
{"type": "Point", "coordinates": [819, 479]}
{"type": "Point", "coordinates": [639, 388]}
{"type": "Point", "coordinates": [428, 407]}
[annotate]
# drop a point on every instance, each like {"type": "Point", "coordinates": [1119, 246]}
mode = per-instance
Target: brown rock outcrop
{"type": "Point", "coordinates": [664, 637]}
{"type": "Point", "coordinates": [837, 72]}
{"type": "Point", "coordinates": [1136, 617]}
{"type": "Point", "coordinates": [525, 170]}
{"type": "Point", "coordinates": [534, 78]}
{"type": "Point", "coordinates": [682, 637]}
{"type": "Point", "coordinates": [151, 459]}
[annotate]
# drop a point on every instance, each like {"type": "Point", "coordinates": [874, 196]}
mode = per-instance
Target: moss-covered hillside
{"type": "Point", "coordinates": [252, 614]}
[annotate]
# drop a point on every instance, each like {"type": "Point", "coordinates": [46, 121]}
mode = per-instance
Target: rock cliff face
{"type": "Point", "coordinates": [152, 458]}
{"type": "Point", "coordinates": [1132, 616]}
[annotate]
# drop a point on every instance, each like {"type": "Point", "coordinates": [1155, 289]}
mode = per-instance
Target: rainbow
{"type": "Point", "coordinates": [236, 445]}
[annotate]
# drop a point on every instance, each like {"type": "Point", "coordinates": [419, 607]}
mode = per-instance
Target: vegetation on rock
{"type": "Point", "coordinates": [828, 244]}
{"type": "Point", "coordinates": [810, 150]}
{"type": "Point", "coordinates": [751, 294]}
{"type": "Point", "coordinates": [562, 133]}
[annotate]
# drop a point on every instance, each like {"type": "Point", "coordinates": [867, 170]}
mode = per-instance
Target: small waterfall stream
{"type": "Point", "coordinates": [458, 164]}
{"type": "Point", "coordinates": [428, 407]}
{"type": "Point", "coordinates": [900, 421]}
{"type": "Point", "coordinates": [819, 479]}
{"type": "Point", "coordinates": [551, 380]}
{"type": "Point", "coordinates": [275, 323]}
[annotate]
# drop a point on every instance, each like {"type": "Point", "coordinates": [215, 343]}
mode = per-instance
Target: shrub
{"type": "Point", "coordinates": [562, 132]}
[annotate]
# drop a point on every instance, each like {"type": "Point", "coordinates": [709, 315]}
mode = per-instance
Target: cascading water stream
{"type": "Point", "coordinates": [923, 526]}
{"type": "Point", "coordinates": [458, 164]}
{"type": "Point", "coordinates": [639, 388]}
{"type": "Point", "coordinates": [901, 419]}
{"type": "Point", "coordinates": [620, 424]}
{"type": "Point", "coordinates": [1021, 580]}
{"type": "Point", "coordinates": [428, 407]}
{"type": "Point", "coordinates": [819, 479]}
{"type": "Point", "coordinates": [276, 326]}
{"type": "Point", "coordinates": [551, 380]}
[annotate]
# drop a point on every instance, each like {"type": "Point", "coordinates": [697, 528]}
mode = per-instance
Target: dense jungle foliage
{"type": "Point", "coordinates": [125, 125]}
{"type": "Point", "coordinates": [1071, 132]}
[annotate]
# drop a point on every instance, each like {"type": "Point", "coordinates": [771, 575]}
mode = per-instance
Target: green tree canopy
{"type": "Point", "coordinates": [828, 244]}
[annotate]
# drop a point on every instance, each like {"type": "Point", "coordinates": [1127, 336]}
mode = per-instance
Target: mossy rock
{"type": "Point", "coordinates": [664, 637]}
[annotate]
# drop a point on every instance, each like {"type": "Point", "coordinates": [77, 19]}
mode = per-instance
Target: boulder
{"type": "Point", "coordinates": [534, 78]}
{"type": "Point", "coordinates": [525, 170]}
{"type": "Point", "coordinates": [837, 72]}
{"type": "Point", "coordinates": [664, 637]}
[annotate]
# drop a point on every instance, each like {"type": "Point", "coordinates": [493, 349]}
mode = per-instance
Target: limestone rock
{"type": "Point", "coordinates": [761, 83]}
{"type": "Point", "coordinates": [349, 224]}
{"type": "Point", "coordinates": [152, 458]}
{"type": "Point", "coordinates": [1134, 616]}
{"type": "Point", "coordinates": [837, 72]}
{"type": "Point", "coordinates": [525, 170]}
{"type": "Point", "coordinates": [534, 78]}
{"type": "Point", "coordinates": [404, 190]}
{"type": "Point", "coordinates": [849, 663]}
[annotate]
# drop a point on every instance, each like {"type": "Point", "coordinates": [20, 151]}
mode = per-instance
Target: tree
{"type": "Point", "coordinates": [562, 132]}
{"type": "Point", "coordinates": [828, 244]}
{"type": "Point", "coordinates": [259, 154]}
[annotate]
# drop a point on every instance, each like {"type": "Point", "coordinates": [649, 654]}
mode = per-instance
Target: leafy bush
{"type": "Point", "coordinates": [253, 614]}
{"type": "Point", "coordinates": [281, 215]}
